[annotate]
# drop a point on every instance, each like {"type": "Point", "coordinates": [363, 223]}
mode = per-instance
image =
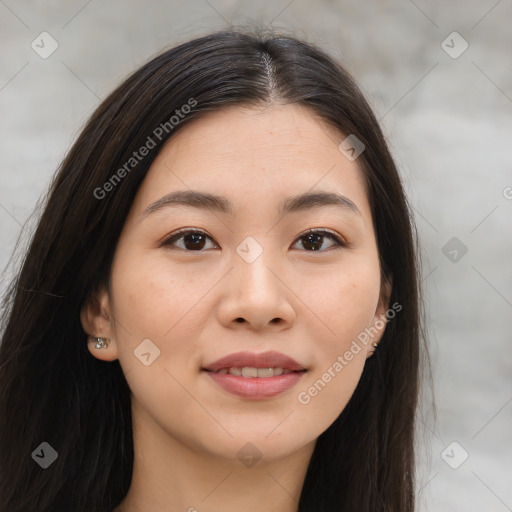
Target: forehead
{"type": "Point", "coordinates": [258, 132]}
{"type": "Point", "coordinates": [255, 152]}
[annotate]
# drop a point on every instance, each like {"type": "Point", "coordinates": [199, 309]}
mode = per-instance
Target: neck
{"type": "Point", "coordinates": [169, 474]}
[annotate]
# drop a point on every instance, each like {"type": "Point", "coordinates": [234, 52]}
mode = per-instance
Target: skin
{"type": "Point", "coordinates": [187, 430]}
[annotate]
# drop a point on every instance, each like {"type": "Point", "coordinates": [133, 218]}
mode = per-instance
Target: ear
{"type": "Point", "coordinates": [380, 318]}
{"type": "Point", "coordinates": [97, 321]}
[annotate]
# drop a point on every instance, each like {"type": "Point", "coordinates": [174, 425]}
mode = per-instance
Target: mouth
{"type": "Point", "coordinates": [251, 364]}
{"type": "Point", "coordinates": [252, 387]}
{"type": "Point", "coordinates": [255, 376]}
{"type": "Point", "coordinates": [251, 372]}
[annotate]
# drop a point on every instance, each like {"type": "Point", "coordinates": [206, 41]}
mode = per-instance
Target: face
{"type": "Point", "coordinates": [249, 278]}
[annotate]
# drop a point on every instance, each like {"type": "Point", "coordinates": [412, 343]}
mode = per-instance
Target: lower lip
{"type": "Point", "coordinates": [256, 388]}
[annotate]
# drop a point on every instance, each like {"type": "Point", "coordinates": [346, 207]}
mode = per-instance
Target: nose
{"type": "Point", "coordinates": [257, 294]}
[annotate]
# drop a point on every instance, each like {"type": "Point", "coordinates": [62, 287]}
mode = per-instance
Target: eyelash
{"type": "Point", "coordinates": [340, 243]}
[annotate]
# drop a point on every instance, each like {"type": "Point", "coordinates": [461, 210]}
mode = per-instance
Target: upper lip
{"type": "Point", "coordinates": [250, 359]}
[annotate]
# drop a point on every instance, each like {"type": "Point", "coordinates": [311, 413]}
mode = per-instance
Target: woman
{"type": "Point", "coordinates": [180, 336]}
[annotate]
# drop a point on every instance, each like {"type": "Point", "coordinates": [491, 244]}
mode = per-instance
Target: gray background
{"type": "Point", "coordinates": [447, 119]}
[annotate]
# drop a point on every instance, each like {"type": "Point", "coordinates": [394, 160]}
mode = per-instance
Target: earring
{"type": "Point", "coordinates": [101, 342]}
{"type": "Point", "coordinates": [375, 345]}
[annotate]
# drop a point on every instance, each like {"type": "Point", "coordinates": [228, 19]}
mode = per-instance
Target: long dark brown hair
{"type": "Point", "coordinates": [51, 388]}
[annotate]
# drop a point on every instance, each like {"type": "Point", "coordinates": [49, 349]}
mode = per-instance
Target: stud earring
{"type": "Point", "coordinates": [375, 345]}
{"type": "Point", "coordinates": [101, 342]}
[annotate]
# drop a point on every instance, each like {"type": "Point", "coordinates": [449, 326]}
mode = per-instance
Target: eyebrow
{"type": "Point", "coordinates": [220, 204]}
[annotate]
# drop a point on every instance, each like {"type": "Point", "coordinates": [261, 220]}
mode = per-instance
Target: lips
{"type": "Point", "coordinates": [252, 360]}
{"type": "Point", "coordinates": [255, 376]}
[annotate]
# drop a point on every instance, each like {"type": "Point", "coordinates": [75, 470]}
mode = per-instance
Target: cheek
{"type": "Point", "coordinates": [345, 310]}
{"type": "Point", "coordinates": [344, 302]}
{"type": "Point", "coordinates": [152, 302]}
{"type": "Point", "coordinates": [148, 288]}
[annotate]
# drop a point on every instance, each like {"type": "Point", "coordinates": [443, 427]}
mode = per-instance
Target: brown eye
{"type": "Point", "coordinates": [193, 240]}
{"type": "Point", "coordinates": [314, 239]}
